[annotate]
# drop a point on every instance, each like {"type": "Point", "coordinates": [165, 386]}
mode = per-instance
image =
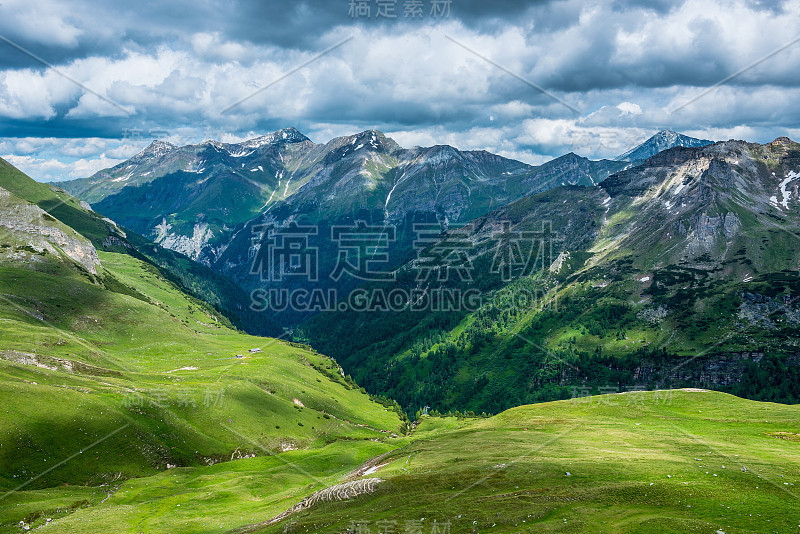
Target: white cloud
{"type": "Point", "coordinates": [55, 170]}
{"type": "Point", "coordinates": [43, 21]}
{"type": "Point", "coordinates": [630, 108]}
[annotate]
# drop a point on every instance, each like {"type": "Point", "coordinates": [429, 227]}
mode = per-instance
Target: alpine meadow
{"type": "Point", "coordinates": [399, 267]}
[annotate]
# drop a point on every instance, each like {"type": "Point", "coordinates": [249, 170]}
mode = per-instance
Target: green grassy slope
{"type": "Point", "coordinates": [114, 375]}
{"type": "Point", "coordinates": [680, 461]}
{"type": "Point", "coordinates": [106, 235]}
{"type": "Point", "coordinates": [118, 375]}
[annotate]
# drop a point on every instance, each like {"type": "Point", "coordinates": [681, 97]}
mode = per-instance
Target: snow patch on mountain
{"type": "Point", "coordinates": [156, 149]}
{"type": "Point", "coordinates": [784, 192]}
{"type": "Point", "coordinates": [290, 135]}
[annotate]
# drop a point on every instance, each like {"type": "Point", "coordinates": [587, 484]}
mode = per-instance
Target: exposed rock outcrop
{"type": "Point", "coordinates": [36, 230]}
{"type": "Point", "coordinates": [339, 492]}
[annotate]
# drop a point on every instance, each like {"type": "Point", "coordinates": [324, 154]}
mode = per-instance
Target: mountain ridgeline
{"type": "Point", "coordinates": [674, 264]}
{"type": "Point", "coordinates": [661, 141]}
{"type": "Point", "coordinates": [209, 201]}
{"type": "Point", "coordinates": [172, 194]}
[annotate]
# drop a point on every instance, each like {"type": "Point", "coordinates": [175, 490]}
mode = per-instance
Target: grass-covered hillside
{"type": "Point", "coordinates": [111, 374]}
{"type": "Point", "coordinates": [105, 234]}
{"type": "Point", "coordinates": [667, 461]}
{"type": "Point", "coordinates": [142, 378]}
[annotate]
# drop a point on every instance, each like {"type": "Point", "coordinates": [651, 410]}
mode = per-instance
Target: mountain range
{"type": "Point", "coordinates": [682, 270]}
{"type": "Point", "coordinates": [676, 248]}
{"type": "Point", "coordinates": [134, 404]}
{"type": "Point", "coordinates": [171, 194]}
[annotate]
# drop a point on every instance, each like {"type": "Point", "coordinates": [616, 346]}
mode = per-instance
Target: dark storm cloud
{"type": "Point", "coordinates": [84, 28]}
{"type": "Point", "coordinates": [104, 27]}
{"type": "Point", "coordinates": [110, 29]}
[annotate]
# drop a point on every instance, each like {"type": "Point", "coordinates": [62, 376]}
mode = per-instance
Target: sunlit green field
{"type": "Point", "coordinates": [680, 461]}
{"type": "Point", "coordinates": [128, 406]}
{"type": "Point", "coordinates": [100, 387]}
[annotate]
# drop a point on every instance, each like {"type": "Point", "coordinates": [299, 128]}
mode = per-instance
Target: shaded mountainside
{"type": "Point", "coordinates": [679, 271]}
{"type": "Point", "coordinates": [687, 252]}
{"type": "Point", "coordinates": [173, 195]}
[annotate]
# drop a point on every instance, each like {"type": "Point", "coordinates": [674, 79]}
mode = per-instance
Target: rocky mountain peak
{"type": "Point", "coordinates": [442, 153]}
{"type": "Point", "coordinates": [156, 149]}
{"type": "Point", "coordinates": [782, 141]}
{"type": "Point", "coordinates": [371, 138]}
{"type": "Point", "coordinates": [213, 144]}
{"type": "Point", "coordinates": [667, 134]}
{"type": "Point", "coordinates": [662, 140]}
{"type": "Point", "coordinates": [284, 135]}
{"type": "Point", "coordinates": [368, 141]}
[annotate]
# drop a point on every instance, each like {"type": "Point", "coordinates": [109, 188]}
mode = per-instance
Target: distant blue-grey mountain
{"type": "Point", "coordinates": [659, 142]}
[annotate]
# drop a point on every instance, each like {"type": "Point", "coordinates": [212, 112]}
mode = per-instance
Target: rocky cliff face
{"type": "Point", "coordinates": [703, 207]}
{"type": "Point", "coordinates": [34, 233]}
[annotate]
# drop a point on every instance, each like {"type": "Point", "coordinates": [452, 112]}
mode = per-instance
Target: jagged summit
{"type": "Point", "coordinates": [362, 144]}
{"type": "Point", "coordinates": [373, 138]}
{"type": "Point", "coordinates": [213, 143]}
{"type": "Point", "coordinates": [156, 149]}
{"type": "Point", "coordinates": [663, 140]}
{"type": "Point", "coordinates": [284, 135]}
{"type": "Point", "coordinates": [782, 141]}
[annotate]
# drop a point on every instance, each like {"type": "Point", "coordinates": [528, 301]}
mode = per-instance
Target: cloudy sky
{"type": "Point", "coordinates": [85, 84]}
